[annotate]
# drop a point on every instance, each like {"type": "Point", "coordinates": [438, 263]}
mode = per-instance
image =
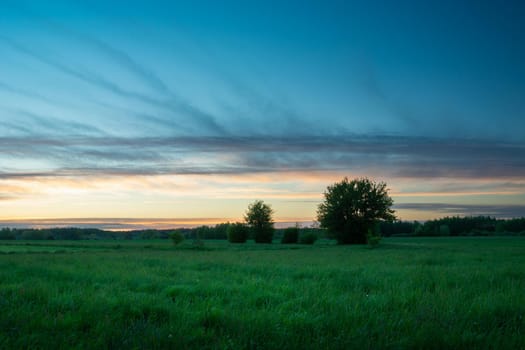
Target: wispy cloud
{"type": "Point", "coordinates": [26, 93]}
{"type": "Point", "coordinates": [37, 124]}
{"type": "Point", "coordinates": [146, 75]}
{"type": "Point", "coordinates": [390, 156]}
{"type": "Point", "coordinates": [499, 211]}
{"type": "Point", "coordinates": [124, 60]}
{"type": "Point", "coordinates": [203, 122]}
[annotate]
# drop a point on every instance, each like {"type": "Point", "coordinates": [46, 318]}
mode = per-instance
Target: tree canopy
{"type": "Point", "coordinates": [259, 218]}
{"type": "Point", "coordinates": [351, 208]}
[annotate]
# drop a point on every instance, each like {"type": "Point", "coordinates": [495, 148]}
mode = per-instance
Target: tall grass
{"type": "Point", "coordinates": [407, 293]}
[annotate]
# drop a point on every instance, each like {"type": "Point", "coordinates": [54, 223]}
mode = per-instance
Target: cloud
{"type": "Point", "coordinates": [202, 121]}
{"type": "Point", "coordinates": [258, 108]}
{"type": "Point", "coordinates": [462, 186]}
{"type": "Point", "coordinates": [498, 211]}
{"type": "Point", "coordinates": [25, 93]}
{"type": "Point", "coordinates": [146, 75]}
{"type": "Point", "coordinates": [400, 157]}
{"type": "Point", "coordinates": [124, 60]}
{"type": "Point", "coordinates": [44, 124]}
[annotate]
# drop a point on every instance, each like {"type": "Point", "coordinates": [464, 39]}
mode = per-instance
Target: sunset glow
{"type": "Point", "coordinates": [170, 114]}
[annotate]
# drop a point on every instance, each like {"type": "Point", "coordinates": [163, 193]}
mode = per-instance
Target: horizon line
{"type": "Point", "coordinates": [130, 224]}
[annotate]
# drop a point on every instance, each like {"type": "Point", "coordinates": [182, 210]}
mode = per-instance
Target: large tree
{"type": "Point", "coordinates": [259, 218]}
{"type": "Point", "coordinates": [351, 208]}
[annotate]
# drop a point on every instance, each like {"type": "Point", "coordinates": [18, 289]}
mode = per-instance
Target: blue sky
{"type": "Point", "coordinates": [192, 109]}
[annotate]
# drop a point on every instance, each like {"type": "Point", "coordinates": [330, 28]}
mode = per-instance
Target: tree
{"type": "Point", "coordinates": [237, 232]}
{"type": "Point", "coordinates": [352, 208]}
{"type": "Point", "coordinates": [176, 237]}
{"type": "Point", "coordinates": [259, 218]}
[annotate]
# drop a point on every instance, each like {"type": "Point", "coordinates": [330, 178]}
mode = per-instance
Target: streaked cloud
{"type": "Point", "coordinates": [449, 209]}
{"type": "Point", "coordinates": [422, 158]}
{"type": "Point", "coordinates": [205, 122]}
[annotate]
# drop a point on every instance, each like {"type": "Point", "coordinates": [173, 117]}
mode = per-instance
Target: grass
{"type": "Point", "coordinates": [407, 293]}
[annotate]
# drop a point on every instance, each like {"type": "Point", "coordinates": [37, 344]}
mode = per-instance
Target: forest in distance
{"type": "Point", "coordinates": [447, 226]}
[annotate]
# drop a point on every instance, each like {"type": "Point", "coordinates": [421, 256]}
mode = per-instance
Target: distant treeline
{"type": "Point", "coordinates": [218, 232]}
{"type": "Point", "coordinates": [73, 233]}
{"type": "Point", "coordinates": [456, 226]}
{"type": "Point", "coordinates": [447, 226]}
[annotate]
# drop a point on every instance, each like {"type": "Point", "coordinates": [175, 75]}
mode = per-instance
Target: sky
{"type": "Point", "coordinates": [132, 114]}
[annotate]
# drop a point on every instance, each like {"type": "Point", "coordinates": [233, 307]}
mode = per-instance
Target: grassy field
{"type": "Point", "coordinates": [407, 293]}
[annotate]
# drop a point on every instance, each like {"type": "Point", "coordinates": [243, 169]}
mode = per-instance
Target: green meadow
{"type": "Point", "coordinates": [428, 293]}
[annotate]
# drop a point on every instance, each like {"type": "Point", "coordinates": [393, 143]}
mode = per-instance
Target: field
{"type": "Point", "coordinates": [407, 293]}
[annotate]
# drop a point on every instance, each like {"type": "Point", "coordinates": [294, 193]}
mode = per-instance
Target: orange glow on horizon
{"type": "Point", "coordinates": [293, 195]}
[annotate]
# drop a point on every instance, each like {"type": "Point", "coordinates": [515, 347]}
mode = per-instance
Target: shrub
{"type": "Point", "coordinates": [237, 233]}
{"type": "Point", "coordinates": [290, 235]}
{"type": "Point", "coordinates": [198, 242]}
{"type": "Point", "coordinates": [373, 239]}
{"type": "Point", "coordinates": [176, 237]}
{"type": "Point", "coordinates": [308, 238]}
{"type": "Point", "coordinates": [263, 235]}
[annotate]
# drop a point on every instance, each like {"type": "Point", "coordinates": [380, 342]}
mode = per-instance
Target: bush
{"type": "Point", "coordinates": [290, 235]}
{"type": "Point", "coordinates": [263, 235]}
{"type": "Point", "coordinates": [176, 237]}
{"type": "Point", "coordinates": [308, 238]}
{"type": "Point", "coordinates": [373, 239]}
{"type": "Point", "coordinates": [237, 233]}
